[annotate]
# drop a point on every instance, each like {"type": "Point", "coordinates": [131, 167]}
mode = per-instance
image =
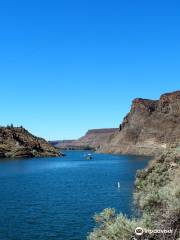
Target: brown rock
{"type": "Point", "coordinates": [93, 139]}
{"type": "Point", "coordinates": [150, 127]}
{"type": "Point", "coordinates": [18, 142]}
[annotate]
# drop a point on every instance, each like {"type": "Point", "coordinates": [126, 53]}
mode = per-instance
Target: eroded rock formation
{"type": "Point", "coordinates": [150, 127]}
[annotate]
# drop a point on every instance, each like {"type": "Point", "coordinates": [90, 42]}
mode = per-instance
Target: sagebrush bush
{"type": "Point", "coordinates": [112, 226]}
{"type": "Point", "coordinates": [170, 194]}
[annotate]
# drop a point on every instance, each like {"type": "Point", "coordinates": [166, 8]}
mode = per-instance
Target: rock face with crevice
{"type": "Point", "coordinates": [16, 142]}
{"type": "Point", "coordinates": [150, 127]}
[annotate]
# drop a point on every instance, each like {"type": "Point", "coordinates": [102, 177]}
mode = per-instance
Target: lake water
{"type": "Point", "coordinates": [56, 198]}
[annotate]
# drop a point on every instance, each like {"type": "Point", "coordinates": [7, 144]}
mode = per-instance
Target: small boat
{"type": "Point", "coordinates": [89, 156]}
{"type": "Point", "coordinates": [119, 185]}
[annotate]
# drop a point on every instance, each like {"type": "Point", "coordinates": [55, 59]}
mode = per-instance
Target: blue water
{"type": "Point", "coordinates": [56, 198]}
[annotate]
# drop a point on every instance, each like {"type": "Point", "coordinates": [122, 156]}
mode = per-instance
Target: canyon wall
{"type": "Point", "coordinates": [150, 127]}
{"type": "Point", "coordinates": [93, 139]}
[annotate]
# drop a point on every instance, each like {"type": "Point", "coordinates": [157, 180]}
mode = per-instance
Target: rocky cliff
{"type": "Point", "coordinates": [18, 142]}
{"type": "Point", "coordinates": [150, 127]}
{"type": "Point", "coordinates": [93, 139]}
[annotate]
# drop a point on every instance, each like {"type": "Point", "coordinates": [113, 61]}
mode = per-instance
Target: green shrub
{"type": "Point", "coordinates": [113, 226]}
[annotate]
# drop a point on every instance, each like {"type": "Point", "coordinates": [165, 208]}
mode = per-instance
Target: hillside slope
{"type": "Point", "coordinates": [18, 142]}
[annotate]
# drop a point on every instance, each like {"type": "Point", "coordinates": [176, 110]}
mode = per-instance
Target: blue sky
{"type": "Point", "coordinates": [68, 66]}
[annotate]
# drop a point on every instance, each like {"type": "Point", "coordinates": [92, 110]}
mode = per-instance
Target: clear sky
{"type": "Point", "coordinates": [67, 66]}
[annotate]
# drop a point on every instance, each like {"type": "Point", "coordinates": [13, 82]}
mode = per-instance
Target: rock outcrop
{"type": "Point", "coordinates": [17, 142]}
{"type": "Point", "coordinates": [150, 127]}
{"type": "Point", "coordinates": [93, 139]}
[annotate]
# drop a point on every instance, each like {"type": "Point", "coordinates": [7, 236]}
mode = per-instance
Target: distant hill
{"type": "Point", "coordinates": [91, 140]}
{"type": "Point", "coordinates": [18, 142]}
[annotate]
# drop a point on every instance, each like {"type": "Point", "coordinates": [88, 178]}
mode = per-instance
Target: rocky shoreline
{"type": "Point", "coordinates": [17, 142]}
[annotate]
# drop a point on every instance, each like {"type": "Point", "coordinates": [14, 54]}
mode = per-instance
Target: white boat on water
{"type": "Point", "coordinates": [88, 156]}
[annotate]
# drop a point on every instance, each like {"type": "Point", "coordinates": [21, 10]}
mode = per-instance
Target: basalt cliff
{"type": "Point", "coordinates": [16, 142]}
{"type": "Point", "coordinates": [150, 127]}
{"type": "Point", "coordinates": [93, 139]}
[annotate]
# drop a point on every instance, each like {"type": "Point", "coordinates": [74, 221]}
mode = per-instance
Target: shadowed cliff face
{"type": "Point", "coordinates": [150, 127]}
{"type": "Point", "coordinates": [18, 142]}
